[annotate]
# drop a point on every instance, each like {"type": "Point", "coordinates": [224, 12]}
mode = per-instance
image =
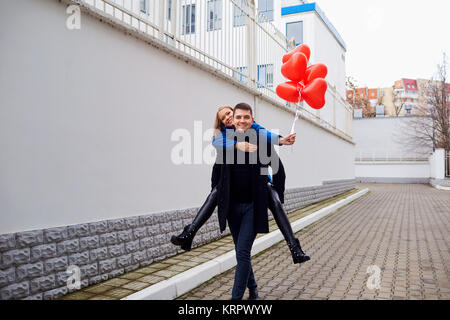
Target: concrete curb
{"type": "Point", "coordinates": [184, 282]}
{"type": "Point", "coordinates": [439, 187]}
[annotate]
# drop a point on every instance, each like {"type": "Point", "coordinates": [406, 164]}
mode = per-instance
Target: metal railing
{"type": "Point", "coordinates": [230, 36]}
{"type": "Point", "coordinates": [384, 156]}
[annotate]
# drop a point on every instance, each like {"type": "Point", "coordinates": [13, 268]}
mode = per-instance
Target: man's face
{"type": "Point", "coordinates": [243, 119]}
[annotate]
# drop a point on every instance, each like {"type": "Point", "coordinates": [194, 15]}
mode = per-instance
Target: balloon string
{"type": "Point", "coordinates": [300, 88]}
{"type": "Point", "coordinates": [295, 120]}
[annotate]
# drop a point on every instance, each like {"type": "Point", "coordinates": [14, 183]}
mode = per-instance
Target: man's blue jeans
{"type": "Point", "coordinates": [240, 221]}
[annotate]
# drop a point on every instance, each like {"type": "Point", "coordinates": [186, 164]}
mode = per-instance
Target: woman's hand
{"type": "Point", "coordinates": [246, 147]}
{"type": "Point", "coordinates": [289, 140]}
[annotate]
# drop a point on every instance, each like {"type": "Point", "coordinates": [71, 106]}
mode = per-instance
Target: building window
{"type": "Point", "coordinates": [214, 15]}
{"type": "Point", "coordinates": [239, 16]}
{"type": "Point", "coordinates": [380, 110]}
{"type": "Point", "coordinates": [188, 25]}
{"type": "Point", "coordinates": [265, 75]}
{"type": "Point", "coordinates": [239, 76]}
{"type": "Point", "coordinates": [169, 10]}
{"type": "Point", "coordinates": [265, 10]}
{"type": "Point", "coordinates": [357, 113]}
{"type": "Point", "coordinates": [295, 30]}
{"type": "Point", "coordinates": [143, 6]}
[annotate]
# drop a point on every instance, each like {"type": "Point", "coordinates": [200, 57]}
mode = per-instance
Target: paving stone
{"type": "Point", "coordinates": [98, 289]}
{"type": "Point", "coordinates": [370, 229]}
{"type": "Point", "coordinates": [118, 293]}
{"type": "Point", "coordinates": [135, 285]}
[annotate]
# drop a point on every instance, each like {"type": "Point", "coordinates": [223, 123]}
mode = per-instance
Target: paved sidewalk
{"type": "Point", "coordinates": [401, 228]}
{"type": "Point", "coordinates": [139, 279]}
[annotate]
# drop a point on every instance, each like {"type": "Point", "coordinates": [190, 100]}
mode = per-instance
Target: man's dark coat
{"type": "Point", "coordinates": [221, 179]}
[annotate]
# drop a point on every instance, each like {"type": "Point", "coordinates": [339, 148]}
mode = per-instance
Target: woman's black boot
{"type": "Point", "coordinates": [298, 256]}
{"type": "Point", "coordinates": [187, 236]}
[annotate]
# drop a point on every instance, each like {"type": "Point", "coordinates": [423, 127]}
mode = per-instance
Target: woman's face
{"type": "Point", "coordinates": [226, 116]}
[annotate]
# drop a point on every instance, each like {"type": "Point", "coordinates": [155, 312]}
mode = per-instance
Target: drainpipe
{"type": "Point", "coordinates": [251, 45]}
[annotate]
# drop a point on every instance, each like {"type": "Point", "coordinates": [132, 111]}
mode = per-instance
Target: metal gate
{"type": "Point", "coordinates": [447, 164]}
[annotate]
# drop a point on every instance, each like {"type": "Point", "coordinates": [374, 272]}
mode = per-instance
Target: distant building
{"type": "Point", "coordinates": [406, 97]}
{"type": "Point", "coordinates": [366, 102]}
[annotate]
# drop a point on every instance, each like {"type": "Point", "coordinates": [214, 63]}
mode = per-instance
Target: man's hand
{"type": "Point", "coordinates": [246, 147]}
{"type": "Point", "coordinates": [289, 140]}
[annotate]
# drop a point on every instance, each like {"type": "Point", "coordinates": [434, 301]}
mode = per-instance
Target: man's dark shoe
{"type": "Point", "coordinates": [253, 294]}
{"type": "Point", "coordinates": [184, 239]}
{"type": "Point", "coordinates": [298, 256]}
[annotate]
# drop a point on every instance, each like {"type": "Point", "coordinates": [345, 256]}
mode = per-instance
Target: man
{"type": "Point", "coordinates": [242, 195]}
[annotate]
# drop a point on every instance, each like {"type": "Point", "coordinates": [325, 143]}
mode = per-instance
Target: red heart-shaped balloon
{"type": "Point", "coordinates": [303, 48]}
{"type": "Point", "coordinates": [314, 93]}
{"type": "Point", "coordinates": [294, 69]}
{"type": "Point", "coordinates": [315, 71]}
{"type": "Point", "coordinates": [288, 91]}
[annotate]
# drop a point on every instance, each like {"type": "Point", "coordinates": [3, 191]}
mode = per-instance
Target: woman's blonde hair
{"type": "Point", "coordinates": [218, 121]}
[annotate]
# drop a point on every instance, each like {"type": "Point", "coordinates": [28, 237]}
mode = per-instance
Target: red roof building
{"type": "Point", "coordinates": [410, 84]}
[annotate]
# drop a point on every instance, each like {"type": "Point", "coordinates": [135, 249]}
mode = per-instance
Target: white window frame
{"type": "Point", "coordinates": [188, 28]}
{"type": "Point", "coordinates": [216, 22]}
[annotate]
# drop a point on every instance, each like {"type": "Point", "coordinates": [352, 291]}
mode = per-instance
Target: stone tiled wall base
{"type": "Point", "coordinates": [33, 264]}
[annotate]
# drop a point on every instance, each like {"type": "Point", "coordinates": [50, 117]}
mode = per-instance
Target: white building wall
{"type": "Point", "coordinates": [87, 116]}
{"type": "Point", "coordinates": [383, 138]}
{"type": "Point", "coordinates": [398, 170]}
{"type": "Point", "coordinates": [382, 157]}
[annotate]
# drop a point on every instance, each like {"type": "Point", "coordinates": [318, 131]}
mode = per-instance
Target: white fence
{"type": "Point", "coordinates": [230, 36]}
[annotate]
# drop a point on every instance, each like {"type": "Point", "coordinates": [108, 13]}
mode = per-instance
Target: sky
{"type": "Point", "coordinates": [391, 39]}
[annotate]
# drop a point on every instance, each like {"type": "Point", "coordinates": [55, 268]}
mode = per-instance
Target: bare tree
{"type": "Point", "coordinates": [360, 102]}
{"type": "Point", "coordinates": [351, 83]}
{"type": "Point", "coordinates": [397, 101]}
{"type": "Point", "coordinates": [430, 127]}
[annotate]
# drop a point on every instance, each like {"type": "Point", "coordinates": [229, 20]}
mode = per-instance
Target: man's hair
{"type": "Point", "coordinates": [243, 106]}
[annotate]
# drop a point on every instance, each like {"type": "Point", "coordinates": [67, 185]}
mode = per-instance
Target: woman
{"type": "Point", "coordinates": [223, 121]}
